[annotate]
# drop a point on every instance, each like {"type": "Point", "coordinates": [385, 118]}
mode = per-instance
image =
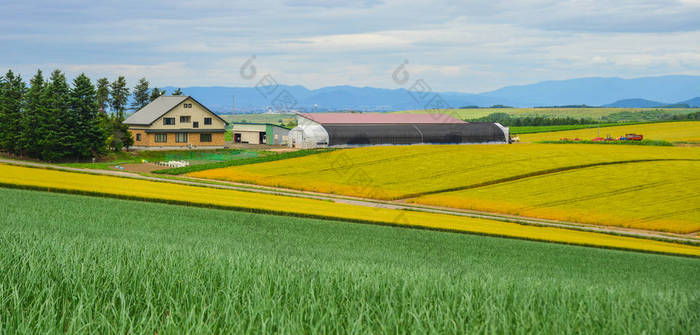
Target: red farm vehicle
{"type": "Point", "coordinates": [632, 137]}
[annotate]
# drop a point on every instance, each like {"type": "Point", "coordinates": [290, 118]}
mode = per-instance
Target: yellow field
{"type": "Point", "coordinates": [168, 192]}
{"type": "Point", "coordinates": [391, 172]}
{"type": "Point", "coordinates": [593, 112]}
{"type": "Point", "coordinates": [668, 131]}
{"type": "Point", "coordinates": [662, 196]}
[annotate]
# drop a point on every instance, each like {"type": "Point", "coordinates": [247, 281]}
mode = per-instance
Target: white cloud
{"type": "Point", "coordinates": [457, 46]}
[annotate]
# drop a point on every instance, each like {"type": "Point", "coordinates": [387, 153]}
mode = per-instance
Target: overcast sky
{"type": "Point", "coordinates": [464, 46]}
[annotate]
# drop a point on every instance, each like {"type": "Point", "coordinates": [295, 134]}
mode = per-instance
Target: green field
{"type": "Point", "coordinates": [545, 129]}
{"type": "Point", "coordinates": [195, 157]}
{"type": "Point", "coordinates": [91, 265]}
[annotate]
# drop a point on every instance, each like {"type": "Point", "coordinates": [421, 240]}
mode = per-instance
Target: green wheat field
{"type": "Point", "coordinates": [89, 265]}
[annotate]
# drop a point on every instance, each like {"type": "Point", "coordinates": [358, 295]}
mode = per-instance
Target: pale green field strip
{"type": "Point", "coordinates": [593, 112]}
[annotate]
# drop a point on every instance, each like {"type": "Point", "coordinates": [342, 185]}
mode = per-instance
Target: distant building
{"type": "Point", "coordinates": [259, 133]}
{"type": "Point", "coordinates": [358, 129]}
{"type": "Point", "coordinates": [176, 121]}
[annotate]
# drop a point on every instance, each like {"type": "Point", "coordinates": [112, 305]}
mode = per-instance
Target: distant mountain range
{"type": "Point", "coordinates": [610, 92]}
{"type": "Point", "coordinates": [644, 103]}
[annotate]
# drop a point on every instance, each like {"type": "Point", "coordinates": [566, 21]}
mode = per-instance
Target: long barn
{"type": "Point", "coordinates": [358, 129]}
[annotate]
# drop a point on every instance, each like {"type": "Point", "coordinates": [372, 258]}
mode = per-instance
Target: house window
{"type": "Point", "coordinates": [168, 121]}
{"type": "Point", "coordinates": [181, 137]}
{"type": "Point", "coordinates": [195, 124]}
{"type": "Point", "coordinates": [188, 105]}
{"type": "Point", "coordinates": [207, 120]}
{"type": "Point", "coordinates": [161, 138]}
{"type": "Point", "coordinates": [138, 137]}
{"type": "Point", "coordinates": [205, 137]}
{"type": "Point", "coordinates": [185, 119]}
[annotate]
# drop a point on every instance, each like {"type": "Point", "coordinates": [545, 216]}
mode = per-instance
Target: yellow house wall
{"type": "Point", "coordinates": [149, 140]}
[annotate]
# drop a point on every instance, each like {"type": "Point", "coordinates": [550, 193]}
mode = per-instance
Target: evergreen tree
{"type": "Point", "coordinates": [156, 92]}
{"type": "Point", "coordinates": [141, 97]}
{"type": "Point", "coordinates": [119, 94]}
{"type": "Point", "coordinates": [58, 138]}
{"type": "Point", "coordinates": [12, 91]}
{"type": "Point", "coordinates": [119, 134]}
{"type": "Point", "coordinates": [34, 117]}
{"type": "Point", "coordinates": [90, 135]}
{"type": "Point", "coordinates": [3, 88]}
{"type": "Point", "coordinates": [102, 94]}
{"type": "Point", "coordinates": [177, 92]}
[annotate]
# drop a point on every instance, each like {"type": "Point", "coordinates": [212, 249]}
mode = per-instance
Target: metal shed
{"type": "Point", "coordinates": [355, 129]}
{"type": "Point", "coordinates": [259, 133]}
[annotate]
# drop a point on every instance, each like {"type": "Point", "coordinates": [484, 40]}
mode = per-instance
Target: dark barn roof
{"type": "Point", "coordinates": [406, 133]}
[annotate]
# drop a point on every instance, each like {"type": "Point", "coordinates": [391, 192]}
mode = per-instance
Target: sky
{"type": "Point", "coordinates": [458, 46]}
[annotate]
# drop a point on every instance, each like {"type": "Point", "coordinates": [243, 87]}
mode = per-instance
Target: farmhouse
{"type": "Point", "coordinates": [259, 133]}
{"type": "Point", "coordinates": [176, 121]}
{"type": "Point", "coordinates": [355, 129]}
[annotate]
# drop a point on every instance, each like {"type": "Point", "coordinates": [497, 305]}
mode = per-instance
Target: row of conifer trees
{"type": "Point", "coordinates": [49, 119]}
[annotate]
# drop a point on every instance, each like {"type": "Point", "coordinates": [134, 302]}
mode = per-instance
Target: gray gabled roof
{"type": "Point", "coordinates": [154, 110]}
{"type": "Point", "coordinates": [159, 107]}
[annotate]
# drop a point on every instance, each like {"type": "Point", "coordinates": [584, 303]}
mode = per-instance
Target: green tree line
{"type": "Point", "coordinates": [54, 121]}
{"type": "Point", "coordinates": [515, 121]}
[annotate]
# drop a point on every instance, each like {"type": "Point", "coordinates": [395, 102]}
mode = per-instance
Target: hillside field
{"type": "Point", "coordinates": [80, 264]}
{"type": "Point", "coordinates": [662, 196]}
{"type": "Point", "coordinates": [260, 118]}
{"type": "Point", "coordinates": [668, 131]}
{"type": "Point", "coordinates": [167, 192]}
{"type": "Point", "coordinates": [578, 113]}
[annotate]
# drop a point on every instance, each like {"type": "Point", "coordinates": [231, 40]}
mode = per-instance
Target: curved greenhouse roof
{"type": "Point", "coordinates": [438, 133]}
{"type": "Point", "coordinates": [350, 129]}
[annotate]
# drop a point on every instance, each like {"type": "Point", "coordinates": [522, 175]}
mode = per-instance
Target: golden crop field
{"type": "Point", "coordinates": [393, 172]}
{"type": "Point", "coordinates": [663, 196]}
{"type": "Point", "coordinates": [593, 112]}
{"type": "Point", "coordinates": [53, 180]}
{"type": "Point", "coordinates": [668, 131]}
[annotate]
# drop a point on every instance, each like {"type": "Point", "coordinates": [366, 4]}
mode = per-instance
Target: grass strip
{"type": "Point", "coordinates": [660, 143]}
{"type": "Point", "coordinates": [517, 130]}
{"type": "Point", "coordinates": [253, 160]}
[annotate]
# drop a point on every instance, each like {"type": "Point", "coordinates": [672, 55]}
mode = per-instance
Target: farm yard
{"type": "Point", "coordinates": [69, 264]}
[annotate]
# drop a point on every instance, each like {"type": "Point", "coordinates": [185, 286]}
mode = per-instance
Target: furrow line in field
{"type": "Point", "coordinates": [536, 174]}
